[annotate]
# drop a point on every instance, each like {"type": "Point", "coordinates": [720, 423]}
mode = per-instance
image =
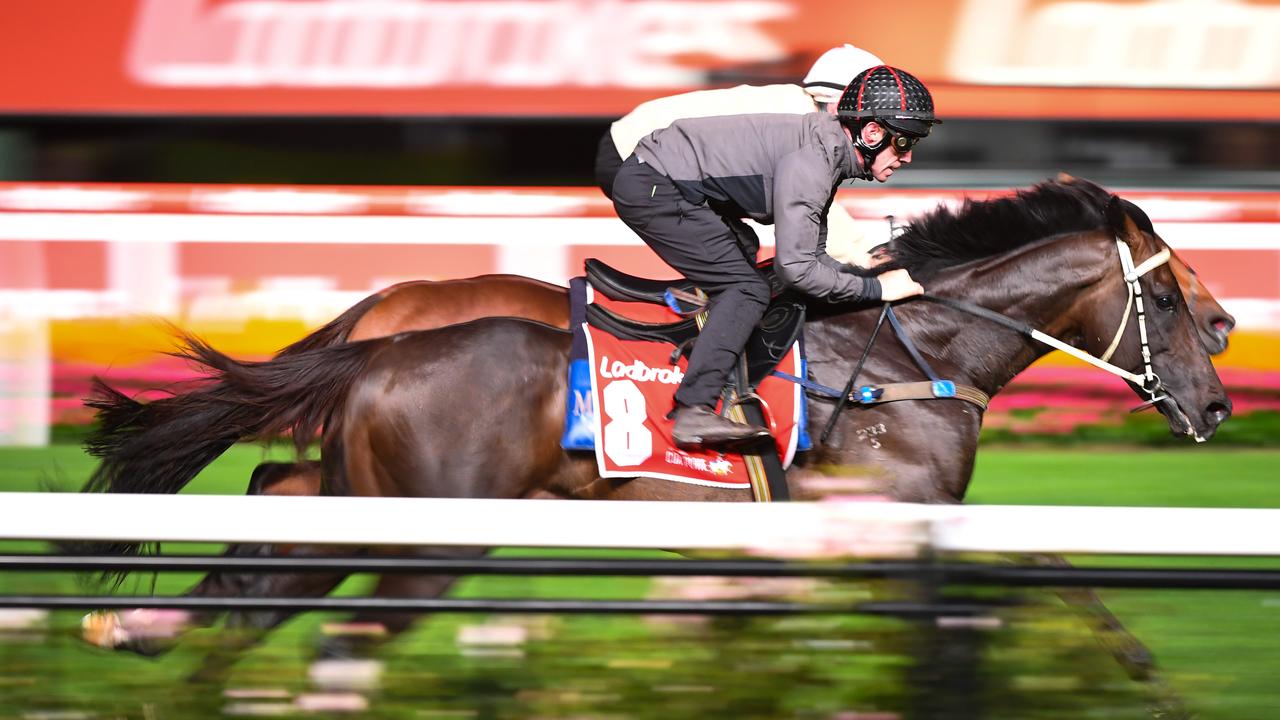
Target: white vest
{"type": "Point", "coordinates": [845, 240]}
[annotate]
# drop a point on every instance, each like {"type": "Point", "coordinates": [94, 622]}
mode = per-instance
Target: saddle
{"type": "Point", "coordinates": [617, 285]}
{"type": "Point", "coordinates": [777, 335]}
{"type": "Point", "coordinates": [777, 332]}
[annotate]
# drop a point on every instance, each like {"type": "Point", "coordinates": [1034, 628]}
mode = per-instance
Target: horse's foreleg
{"type": "Point", "coordinates": [1136, 659]}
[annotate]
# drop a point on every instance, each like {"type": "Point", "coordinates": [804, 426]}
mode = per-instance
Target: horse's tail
{"type": "Point", "coordinates": [336, 331]}
{"type": "Point", "coordinates": [159, 446]}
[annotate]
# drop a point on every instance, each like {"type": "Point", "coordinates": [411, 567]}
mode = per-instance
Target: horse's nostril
{"type": "Point", "coordinates": [1217, 413]}
{"type": "Point", "coordinates": [1223, 324]}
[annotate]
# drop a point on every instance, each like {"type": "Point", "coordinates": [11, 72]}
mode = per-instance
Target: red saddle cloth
{"type": "Point", "coordinates": [633, 383]}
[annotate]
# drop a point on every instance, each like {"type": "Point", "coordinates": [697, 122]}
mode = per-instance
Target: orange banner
{"type": "Point", "coordinates": [984, 58]}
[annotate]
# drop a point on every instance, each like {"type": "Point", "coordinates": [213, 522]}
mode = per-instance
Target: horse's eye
{"type": "Point", "coordinates": [1166, 302]}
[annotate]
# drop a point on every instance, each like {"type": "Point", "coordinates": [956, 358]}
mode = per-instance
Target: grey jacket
{"type": "Point", "coordinates": [774, 168]}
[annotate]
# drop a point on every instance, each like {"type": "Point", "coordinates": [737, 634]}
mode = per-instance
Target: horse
{"type": "Point", "coordinates": [1046, 255]}
{"type": "Point", "coordinates": [425, 305]}
{"type": "Point", "coordinates": [428, 304]}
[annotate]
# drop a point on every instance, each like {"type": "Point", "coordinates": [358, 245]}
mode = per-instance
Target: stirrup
{"type": "Point", "coordinates": [772, 425]}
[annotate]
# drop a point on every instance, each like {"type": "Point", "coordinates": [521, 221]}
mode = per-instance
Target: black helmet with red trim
{"type": "Point", "coordinates": [891, 97]}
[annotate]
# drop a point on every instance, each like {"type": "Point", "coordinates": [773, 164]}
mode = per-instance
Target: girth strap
{"type": "Point", "coordinates": [925, 391]}
{"type": "Point", "coordinates": [900, 391]}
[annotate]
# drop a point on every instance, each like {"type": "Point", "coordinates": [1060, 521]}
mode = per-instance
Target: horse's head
{"type": "Point", "coordinates": [1185, 388]}
{"type": "Point", "coordinates": [1212, 321]}
{"type": "Point", "coordinates": [1052, 257]}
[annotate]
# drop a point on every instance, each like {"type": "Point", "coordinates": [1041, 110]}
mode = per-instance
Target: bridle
{"type": "Point", "coordinates": [1147, 380]}
{"type": "Point", "coordinates": [1131, 277]}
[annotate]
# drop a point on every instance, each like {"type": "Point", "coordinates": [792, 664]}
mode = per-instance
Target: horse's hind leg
{"type": "Point", "coordinates": [301, 479]}
{"type": "Point", "coordinates": [373, 629]}
{"type": "Point", "coordinates": [152, 632]}
{"type": "Point", "coordinates": [246, 629]}
{"type": "Point", "coordinates": [148, 632]}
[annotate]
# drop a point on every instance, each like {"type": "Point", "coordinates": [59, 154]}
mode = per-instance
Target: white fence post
{"type": "Point", "coordinates": [26, 380]}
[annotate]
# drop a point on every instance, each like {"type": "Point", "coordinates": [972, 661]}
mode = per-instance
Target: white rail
{"type": "Point", "coordinates": [858, 528]}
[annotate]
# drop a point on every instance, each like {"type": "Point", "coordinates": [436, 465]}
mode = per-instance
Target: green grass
{"type": "Point", "coordinates": [1217, 649]}
{"type": "Point", "coordinates": [1190, 477]}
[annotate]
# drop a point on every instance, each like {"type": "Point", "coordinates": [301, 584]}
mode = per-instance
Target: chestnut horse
{"type": "Point", "coordinates": [1046, 255]}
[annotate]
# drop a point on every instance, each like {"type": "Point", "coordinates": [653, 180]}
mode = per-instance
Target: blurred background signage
{"type": "Point", "coordinates": [1013, 58]}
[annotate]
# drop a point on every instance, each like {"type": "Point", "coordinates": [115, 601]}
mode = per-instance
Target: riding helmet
{"type": "Point", "coordinates": [889, 96]}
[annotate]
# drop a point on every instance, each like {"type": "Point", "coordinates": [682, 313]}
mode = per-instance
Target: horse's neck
{"type": "Point", "coordinates": [1041, 285]}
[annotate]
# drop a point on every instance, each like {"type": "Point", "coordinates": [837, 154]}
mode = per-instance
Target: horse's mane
{"type": "Point", "coordinates": [982, 228]}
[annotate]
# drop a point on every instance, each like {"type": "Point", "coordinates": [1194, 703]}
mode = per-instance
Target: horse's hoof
{"type": "Point", "coordinates": [102, 629]}
{"type": "Point", "coordinates": [145, 632]}
{"type": "Point", "coordinates": [1138, 662]}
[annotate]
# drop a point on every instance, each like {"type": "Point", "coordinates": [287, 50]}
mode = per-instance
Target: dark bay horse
{"type": "Point", "coordinates": [1046, 256]}
{"type": "Point", "coordinates": [425, 305]}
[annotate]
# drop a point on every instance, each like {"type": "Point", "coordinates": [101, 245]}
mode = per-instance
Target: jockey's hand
{"type": "Point", "coordinates": [897, 284]}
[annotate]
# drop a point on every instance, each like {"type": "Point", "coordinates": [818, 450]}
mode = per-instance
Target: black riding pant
{"type": "Point", "coordinates": [708, 249]}
{"type": "Point", "coordinates": [607, 164]}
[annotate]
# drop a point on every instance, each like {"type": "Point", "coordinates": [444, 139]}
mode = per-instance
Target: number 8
{"type": "Point", "coordinates": [626, 440]}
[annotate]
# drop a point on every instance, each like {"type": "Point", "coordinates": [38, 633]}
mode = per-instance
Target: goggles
{"type": "Point", "coordinates": [902, 144]}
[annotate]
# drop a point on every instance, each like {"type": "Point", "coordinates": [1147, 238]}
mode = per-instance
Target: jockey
{"type": "Point", "coordinates": [685, 186]}
{"type": "Point", "coordinates": [821, 87]}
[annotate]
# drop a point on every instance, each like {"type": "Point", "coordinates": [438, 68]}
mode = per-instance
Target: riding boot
{"type": "Point", "coordinates": [701, 426]}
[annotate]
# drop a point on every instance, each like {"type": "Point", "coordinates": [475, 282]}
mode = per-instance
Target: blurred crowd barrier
{"type": "Point", "coordinates": [93, 273]}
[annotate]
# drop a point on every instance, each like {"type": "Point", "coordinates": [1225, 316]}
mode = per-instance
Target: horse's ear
{"type": "Point", "coordinates": [1066, 178]}
{"type": "Point", "coordinates": [1139, 216]}
{"type": "Point", "coordinates": [1118, 220]}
